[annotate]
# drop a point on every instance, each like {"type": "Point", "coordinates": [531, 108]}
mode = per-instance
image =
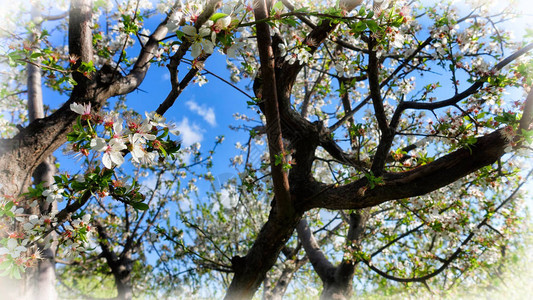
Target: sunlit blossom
{"type": "Point", "coordinates": [81, 109]}
{"type": "Point", "coordinates": [53, 193]}
{"type": "Point", "coordinates": [198, 40]}
{"type": "Point", "coordinates": [112, 152]}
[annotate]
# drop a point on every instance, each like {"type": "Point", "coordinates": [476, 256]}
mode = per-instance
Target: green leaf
{"type": "Point", "coordinates": [139, 205]}
{"type": "Point", "coordinates": [35, 55]}
{"type": "Point", "coordinates": [359, 27]}
{"type": "Point", "coordinates": [290, 22]}
{"type": "Point", "coordinates": [372, 25]}
{"type": "Point", "coordinates": [164, 134]}
{"type": "Point", "coordinates": [217, 16]}
{"type": "Point", "coordinates": [9, 205]}
{"type": "Point", "coordinates": [15, 272]}
{"type": "Point", "coordinates": [278, 6]}
{"type": "Point", "coordinates": [5, 264]}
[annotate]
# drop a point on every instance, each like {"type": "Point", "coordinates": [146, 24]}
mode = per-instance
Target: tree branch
{"type": "Point", "coordinates": [322, 266]}
{"type": "Point", "coordinates": [275, 144]}
{"type": "Point", "coordinates": [471, 90]}
{"type": "Point", "coordinates": [419, 181]}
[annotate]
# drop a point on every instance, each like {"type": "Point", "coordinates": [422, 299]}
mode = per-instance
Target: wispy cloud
{"type": "Point", "coordinates": [207, 113]}
{"type": "Point", "coordinates": [189, 133]}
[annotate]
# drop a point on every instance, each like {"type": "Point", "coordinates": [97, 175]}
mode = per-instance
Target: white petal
{"type": "Point", "coordinates": [98, 144]}
{"type": "Point", "coordinates": [189, 30]}
{"type": "Point", "coordinates": [106, 160]}
{"type": "Point", "coordinates": [208, 46]}
{"type": "Point", "coordinates": [86, 218]}
{"type": "Point", "coordinates": [117, 144]}
{"type": "Point", "coordinates": [204, 32]}
{"type": "Point", "coordinates": [223, 23]}
{"type": "Point", "coordinates": [196, 49]}
{"type": "Point", "coordinates": [117, 158]}
{"type": "Point", "coordinates": [11, 243]}
{"type": "Point", "coordinates": [77, 108]}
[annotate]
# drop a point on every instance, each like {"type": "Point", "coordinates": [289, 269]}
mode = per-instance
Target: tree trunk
{"type": "Point", "coordinates": [121, 265]}
{"type": "Point", "coordinates": [250, 271]}
{"type": "Point", "coordinates": [40, 281]}
{"type": "Point", "coordinates": [337, 280]}
{"type": "Point", "coordinates": [340, 287]}
{"type": "Point", "coordinates": [123, 282]}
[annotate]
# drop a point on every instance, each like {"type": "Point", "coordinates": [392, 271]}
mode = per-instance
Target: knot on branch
{"type": "Point", "coordinates": [238, 264]}
{"type": "Point", "coordinates": [107, 74]}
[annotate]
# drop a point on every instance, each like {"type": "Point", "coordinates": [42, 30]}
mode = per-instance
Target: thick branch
{"type": "Point", "coordinates": [20, 156]}
{"type": "Point", "coordinates": [270, 97]}
{"type": "Point", "coordinates": [80, 38]}
{"type": "Point", "coordinates": [375, 90]}
{"type": "Point", "coordinates": [419, 181]}
{"type": "Point", "coordinates": [322, 266]}
{"type": "Point", "coordinates": [135, 77]}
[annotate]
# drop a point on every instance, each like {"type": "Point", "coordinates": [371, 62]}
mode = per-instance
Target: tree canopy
{"type": "Point", "coordinates": [379, 147]}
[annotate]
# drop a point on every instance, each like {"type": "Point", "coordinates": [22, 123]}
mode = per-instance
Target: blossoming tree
{"type": "Point", "coordinates": [393, 114]}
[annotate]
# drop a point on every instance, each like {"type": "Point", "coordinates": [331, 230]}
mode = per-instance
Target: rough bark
{"type": "Point", "coordinates": [270, 98]}
{"type": "Point", "coordinates": [20, 156]}
{"type": "Point", "coordinates": [419, 181]}
{"type": "Point", "coordinates": [283, 217]}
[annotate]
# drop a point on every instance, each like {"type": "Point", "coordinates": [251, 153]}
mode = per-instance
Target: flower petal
{"type": "Point", "coordinates": [189, 30]}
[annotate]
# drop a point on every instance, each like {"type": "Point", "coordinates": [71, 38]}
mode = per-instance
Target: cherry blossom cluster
{"type": "Point", "coordinates": [219, 28]}
{"type": "Point", "coordinates": [142, 138]}
{"type": "Point", "coordinates": [21, 232]}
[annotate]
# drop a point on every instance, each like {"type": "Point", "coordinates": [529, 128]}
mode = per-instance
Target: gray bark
{"type": "Point", "coordinates": [40, 282]}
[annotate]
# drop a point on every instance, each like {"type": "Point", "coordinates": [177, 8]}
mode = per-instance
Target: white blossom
{"type": "Point", "coordinates": [53, 193]}
{"type": "Point", "coordinates": [12, 248]}
{"type": "Point", "coordinates": [198, 40]}
{"type": "Point", "coordinates": [81, 109]}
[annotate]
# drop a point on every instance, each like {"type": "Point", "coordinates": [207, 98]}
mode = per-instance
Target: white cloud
{"type": "Point", "coordinates": [229, 197]}
{"type": "Point", "coordinates": [207, 113]}
{"type": "Point", "coordinates": [189, 133]}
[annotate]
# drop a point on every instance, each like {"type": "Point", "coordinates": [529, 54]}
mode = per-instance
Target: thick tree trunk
{"type": "Point", "coordinates": [123, 282]}
{"type": "Point", "coordinates": [250, 271]}
{"type": "Point", "coordinates": [20, 156]}
{"type": "Point", "coordinates": [339, 285]}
